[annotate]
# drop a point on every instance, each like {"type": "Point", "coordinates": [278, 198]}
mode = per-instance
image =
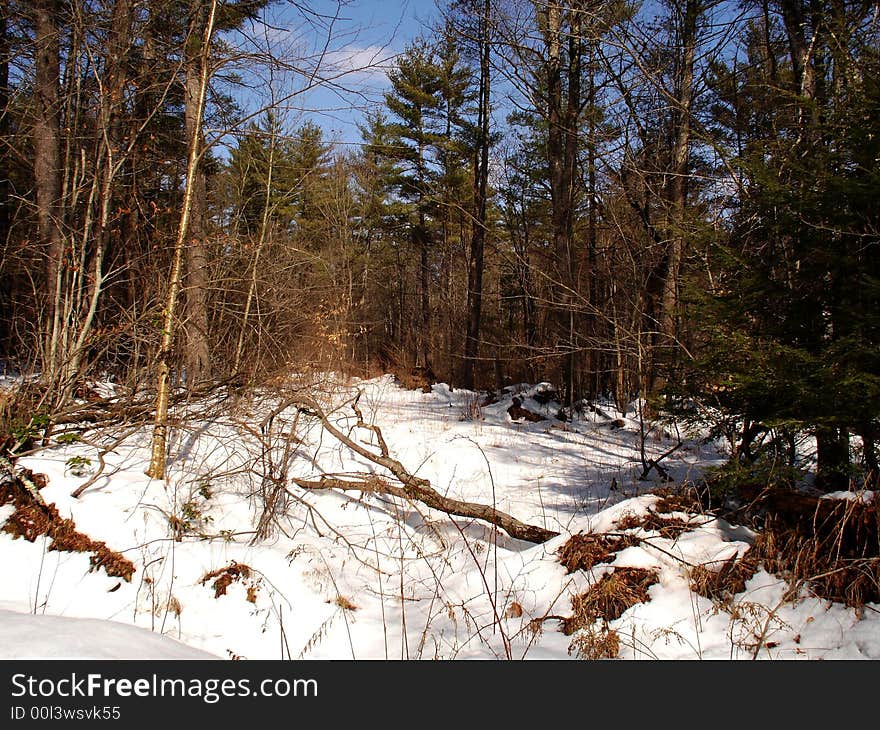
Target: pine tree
{"type": "Point", "coordinates": [414, 103]}
{"type": "Point", "coordinates": [797, 341]}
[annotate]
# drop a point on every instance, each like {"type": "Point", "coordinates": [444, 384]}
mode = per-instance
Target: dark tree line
{"type": "Point", "coordinates": [672, 201]}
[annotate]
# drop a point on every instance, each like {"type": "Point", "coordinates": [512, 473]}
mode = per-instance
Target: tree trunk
{"type": "Point", "coordinates": [4, 120]}
{"type": "Point", "coordinates": [677, 190]}
{"type": "Point", "coordinates": [197, 352]}
{"type": "Point", "coordinates": [478, 237]}
{"type": "Point", "coordinates": [47, 168]}
{"type": "Point", "coordinates": [832, 453]}
{"type": "Point", "coordinates": [794, 21]}
{"type": "Point", "coordinates": [156, 469]}
{"type": "Point", "coordinates": [420, 235]}
{"type": "Point", "coordinates": [112, 151]}
{"type": "Point", "coordinates": [116, 76]}
{"type": "Point", "coordinates": [563, 116]}
{"type": "Point", "coordinates": [423, 358]}
{"type": "Point", "coordinates": [572, 122]}
{"type": "Point", "coordinates": [594, 363]}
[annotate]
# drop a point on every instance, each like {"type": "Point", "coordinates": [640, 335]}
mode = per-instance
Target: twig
{"type": "Point", "coordinates": [410, 486]}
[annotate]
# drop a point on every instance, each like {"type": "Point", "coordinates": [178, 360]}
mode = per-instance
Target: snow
{"type": "Point", "coordinates": [24, 636]}
{"type": "Point", "coordinates": [865, 496]}
{"type": "Point", "coordinates": [366, 576]}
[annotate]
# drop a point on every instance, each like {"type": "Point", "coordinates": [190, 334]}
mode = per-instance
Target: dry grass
{"type": "Point", "coordinates": [344, 603]}
{"type": "Point", "coordinates": [415, 378]}
{"type": "Point", "coordinates": [582, 551]}
{"type": "Point", "coordinates": [677, 500]}
{"type": "Point", "coordinates": [830, 546]}
{"type": "Point", "coordinates": [668, 527]}
{"type": "Point", "coordinates": [610, 597]}
{"type": "Point", "coordinates": [225, 577]}
{"type": "Point", "coordinates": [471, 409]}
{"type": "Point", "coordinates": [722, 584]}
{"type": "Point", "coordinates": [594, 644]}
{"type": "Point", "coordinates": [32, 519]}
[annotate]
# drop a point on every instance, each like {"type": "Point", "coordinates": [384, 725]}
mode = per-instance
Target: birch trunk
{"type": "Point", "coordinates": [156, 469]}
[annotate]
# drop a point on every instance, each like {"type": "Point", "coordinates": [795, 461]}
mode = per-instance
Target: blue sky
{"type": "Point", "coordinates": [356, 41]}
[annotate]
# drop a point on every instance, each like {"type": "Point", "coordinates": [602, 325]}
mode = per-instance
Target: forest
{"type": "Point", "coordinates": [672, 204]}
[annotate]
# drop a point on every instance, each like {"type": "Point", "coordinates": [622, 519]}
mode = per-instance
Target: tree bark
{"type": "Point", "coordinates": [478, 236]}
{"type": "Point", "coordinates": [592, 322]}
{"type": "Point", "coordinates": [47, 166]}
{"type": "Point", "coordinates": [410, 486]}
{"type": "Point", "coordinates": [562, 106]}
{"type": "Point", "coordinates": [420, 238]}
{"type": "Point", "coordinates": [197, 350]}
{"type": "Point", "coordinates": [156, 469]}
{"type": "Point", "coordinates": [677, 189]}
{"type": "Point", "coordinates": [115, 81]}
{"type": "Point", "coordinates": [795, 23]}
{"type": "Point", "coordinates": [4, 119]}
{"type": "Point", "coordinates": [110, 157]}
{"type": "Point", "coordinates": [428, 496]}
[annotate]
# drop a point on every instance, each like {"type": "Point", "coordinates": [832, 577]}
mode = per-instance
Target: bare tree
{"type": "Point", "coordinates": [156, 469]}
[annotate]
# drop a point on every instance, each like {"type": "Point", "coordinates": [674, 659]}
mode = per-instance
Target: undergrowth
{"type": "Point", "coordinates": [232, 573]}
{"type": "Point", "coordinates": [32, 519]}
{"type": "Point", "coordinates": [610, 597]}
{"type": "Point", "coordinates": [583, 551]}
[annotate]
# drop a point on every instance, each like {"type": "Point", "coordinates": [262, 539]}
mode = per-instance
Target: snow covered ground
{"type": "Point", "coordinates": [366, 576]}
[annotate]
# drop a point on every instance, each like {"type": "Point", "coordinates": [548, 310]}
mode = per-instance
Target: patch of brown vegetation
{"type": "Point", "coordinates": [594, 644]}
{"type": "Point", "coordinates": [516, 412]}
{"type": "Point", "coordinates": [668, 527]}
{"type": "Point", "coordinates": [415, 378]}
{"type": "Point", "coordinates": [514, 610]}
{"type": "Point", "coordinates": [174, 606]}
{"type": "Point", "coordinates": [21, 417]}
{"type": "Point", "coordinates": [32, 519]}
{"type": "Point", "coordinates": [830, 545]}
{"type": "Point", "coordinates": [582, 552]}
{"type": "Point", "coordinates": [344, 603]}
{"type": "Point", "coordinates": [610, 597]}
{"type": "Point", "coordinates": [677, 500]}
{"type": "Point", "coordinates": [721, 584]}
{"type": "Point", "coordinates": [225, 577]}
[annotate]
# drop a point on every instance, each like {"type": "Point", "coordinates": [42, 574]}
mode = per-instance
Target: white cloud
{"type": "Point", "coordinates": [364, 63]}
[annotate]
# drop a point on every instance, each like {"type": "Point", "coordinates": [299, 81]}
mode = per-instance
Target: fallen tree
{"type": "Point", "coordinates": [407, 486]}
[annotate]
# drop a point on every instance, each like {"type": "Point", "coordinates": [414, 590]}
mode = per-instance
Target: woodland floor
{"type": "Point", "coordinates": [231, 560]}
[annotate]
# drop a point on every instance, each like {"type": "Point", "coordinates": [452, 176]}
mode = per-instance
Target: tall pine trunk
{"type": "Point", "coordinates": [677, 195]}
{"type": "Point", "coordinates": [4, 120]}
{"type": "Point", "coordinates": [47, 169]}
{"type": "Point", "coordinates": [478, 237]}
{"type": "Point", "coordinates": [563, 111]}
{"type": "Point", "coordinates": [197, 347]}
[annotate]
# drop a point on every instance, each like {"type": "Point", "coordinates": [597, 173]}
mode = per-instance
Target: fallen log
{"type": "Point", "coordinates": [410, 487]}
{"type": "Point", "coordinates": [435, 500]}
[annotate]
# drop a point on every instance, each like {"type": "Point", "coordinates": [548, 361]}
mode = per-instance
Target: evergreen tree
{"type": "Point", "coordinates": [797, 329]}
